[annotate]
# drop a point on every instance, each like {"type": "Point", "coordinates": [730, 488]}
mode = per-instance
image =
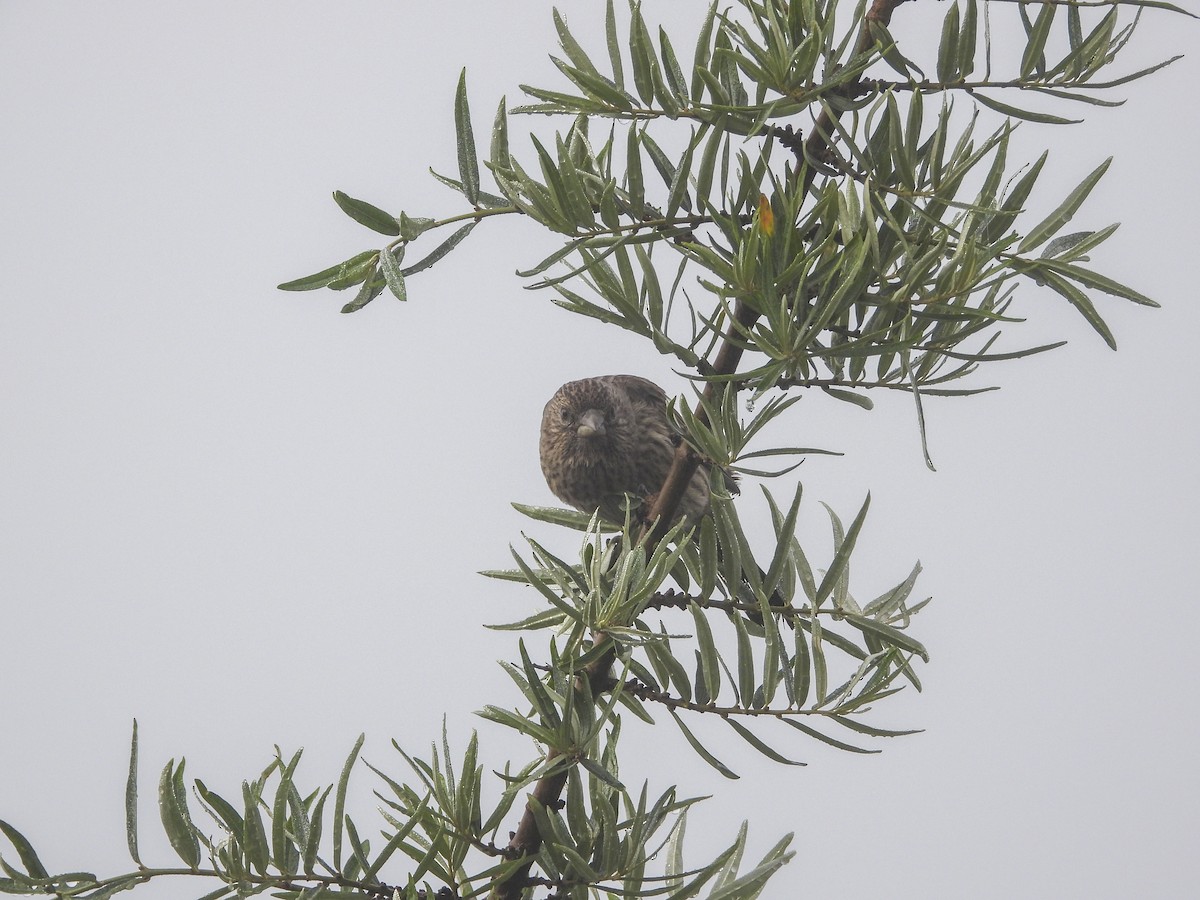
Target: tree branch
{"type": "Point", "coordinates": [527, 839]}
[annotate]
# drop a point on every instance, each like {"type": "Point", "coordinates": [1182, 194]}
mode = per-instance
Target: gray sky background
{"type": "Point", "coordinates": [246, 519]}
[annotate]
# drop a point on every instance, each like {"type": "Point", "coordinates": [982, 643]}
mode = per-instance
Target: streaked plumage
{"type": "Point", "coordinates": [608, 436]}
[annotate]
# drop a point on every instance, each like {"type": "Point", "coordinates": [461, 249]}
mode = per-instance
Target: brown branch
{"type": "Point", "coordinates": [645, 692]}
{"type": "Point", "coordinates": [527, 839]}
{"type": "Point", "coordinates": [820, 139]}
{"type": "Point", "coordinates": [673, 599]}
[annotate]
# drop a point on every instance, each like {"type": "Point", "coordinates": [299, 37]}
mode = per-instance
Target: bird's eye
{"type": "Point", "coordinates": [565, 415]}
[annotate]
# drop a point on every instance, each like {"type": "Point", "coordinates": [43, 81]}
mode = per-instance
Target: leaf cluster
{"type": "Point", "coordinates": [275, 838]}
{"type": "Point", "coordinates": [769, 641]}
{"type": "Point", "coordinates": [883, 251]}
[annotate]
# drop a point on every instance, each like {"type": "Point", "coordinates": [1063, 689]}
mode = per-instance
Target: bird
{"type": "Point", "coordinates": [606, 437]}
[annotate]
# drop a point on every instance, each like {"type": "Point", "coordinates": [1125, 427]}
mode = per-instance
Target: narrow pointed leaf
{"type": "Point", "coordinates": [371, 288]}
{"type": "Point", "coordinates": [1080, 301]}
{"type": "Point", "coordinates": [826, 739]}
{"type": "Point", "coordinates": [326, 277]}
{"type": "Point", "coordinates": [754, 741]}
{"type": "Point", "coordinates": [1098, 281]}
{"type": "Point", "coordinates": [468, 162]}
{"type": "Point", "coordinates": [441, 250]}
{"type": "Point", "coordinates": [701, 750]}
{"type": "Point", "coordinates": [29, 859]}
{"type": "Point", "coordinates": [893, 636]}
{"type": "Point", "coordinates": [1050, 226]}
{"type": "Point", "coordinates": [175, 820]}
{"type": "Point", "coordinates": [1027, 114]}
{"type": "Point", "coordinates": [849, 397]}
{"type": "Point", "coordinates": [389, 264]}
{"type": "Point", "coordinates": [339, 801]}
{"type": "Point", "coordinates": [365, 214]}
{"type": "Point", "coordinates": [842, 556]}
{"type": "Point", "coordinates": [131, 793]}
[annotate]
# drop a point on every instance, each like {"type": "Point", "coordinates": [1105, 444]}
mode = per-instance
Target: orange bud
{"type": "Point", "coordinates": [766, 217]}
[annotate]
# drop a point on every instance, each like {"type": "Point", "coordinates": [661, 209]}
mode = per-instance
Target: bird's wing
{"type": "Point", "coordinates": [642, 390]}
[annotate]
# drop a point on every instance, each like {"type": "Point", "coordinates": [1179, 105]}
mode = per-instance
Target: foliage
{"type": "Point", "coordinates": [810, 194]}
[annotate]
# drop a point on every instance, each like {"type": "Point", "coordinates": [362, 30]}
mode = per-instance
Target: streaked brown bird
{"type": "Point", "coordinates": [609, 436]}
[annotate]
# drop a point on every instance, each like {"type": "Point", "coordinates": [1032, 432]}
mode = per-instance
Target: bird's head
{"type": "Point", "coordinates": [585, 415]}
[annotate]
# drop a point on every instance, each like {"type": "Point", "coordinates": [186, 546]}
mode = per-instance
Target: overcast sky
{"type": "Point", "coordinates": [248, 520]}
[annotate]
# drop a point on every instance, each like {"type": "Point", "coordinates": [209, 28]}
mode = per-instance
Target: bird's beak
{"type": "Point", "coordinates": [591, 423]}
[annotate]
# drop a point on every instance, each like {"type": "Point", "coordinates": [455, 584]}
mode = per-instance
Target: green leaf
{"type": "Point", "coordinates": [518, 723]}
{"type": "Point", "coordinates": [339, 801]}
{"type": "Point", "coordinates": [614, 48]}
{"type": "Point", "coordinates": [920, 407]}
{"type": "Point", "coordinates": [254, 836]}
{"type": "Point", "coordinates": [745, 662]}
{"type": "Point", "coordinates": [947, 58]}
{"type": "Point", "coordinates": [678, 196]}
{"type": "Point", "coordinates": [558, 602]}
{"type": "Point", "coordinates": [412, 227]}
{"type": "Point", "coordinates": [709, 674]}
{"type": "Point", "coordinates": [849, 397]}
{"type": "Point", "coordinates": [440, 250]}
{"type": "Point", "coordinates": [675, 82]}
{"type": "Point", "coordinates": [1027, 114]}
{"type": "Point", "coordinates": [968, 36]}
{"type": "Point", "coordinates": [871, 730]}
{"type": "Point", "coordinates": [1051, 225]}
{"type": "Point", "coordinates": [545, 703]}
{"type": "Point", "coordinates": [826, 739]}
{"type": "Point", "coordinates": [785, 531]}
{"type": "Point", "coordinates": [359, 862]}
{"type": "Point", "coordinates": [701, 750]}
{"type": "Point", "coordinates": [397, 841]}
{"type": "Point", "coordinates": [634, 184]}
{"type": "Point", "coordinates": [601, 773]}
{"type": "Point", "coordinates": [365, 214]}
{"type": "Point", "coordinates": [567, 41]}
{"type": "Point", "coordinates": [1065, 242]}
{"type": "Point", "coordinates": [220, 809]}
{"type": "Point", "coordinates": [888, 602]}
{"type": "Point", "coordinates": [499, 152]}
{"type": "Point", "coordinates": [131, 829]}
{"type": "Point", "coordinates": [886, 44]}
{"type": "Point", "coordinates": [752, 739]}
{"type": "Point", "coordinates": [172, 808]}
{"type": "Point", "coordinates": [642, 56]}
{"type": "Point", "coordinates": [892, 636]}
{"type": "Point", "coordinates": [327, 276]}
{"type": "Point", "coordinates": [29, 859]}
{"type": "Point", "coordinates": [801, 671]}
{"type": "Point", "coordinates": [1098, 281]}
{"type": "Point", "coordinates": [703, 52]}
{"type": "Point", "coordinates": [282, 849]}
{"type": "Point", "coordinates": [389, 264]}
{"type": "Point", "coordinates": [842, 557]}
{"type": "Point", "coordinates": [468, 162]}
{"type": "Point", "coordinates": [356, 274]}
{"type": "Point", "coordinates": [596, 86]}
{"type": "Point", "coordinates": [550, 618]}
{"type": "Point", "coordinates": [1080, 301]}
{"type": "Point", "coordinates": [1033, 59]}
{"type": "Point", "coordinates": [371, 288]}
